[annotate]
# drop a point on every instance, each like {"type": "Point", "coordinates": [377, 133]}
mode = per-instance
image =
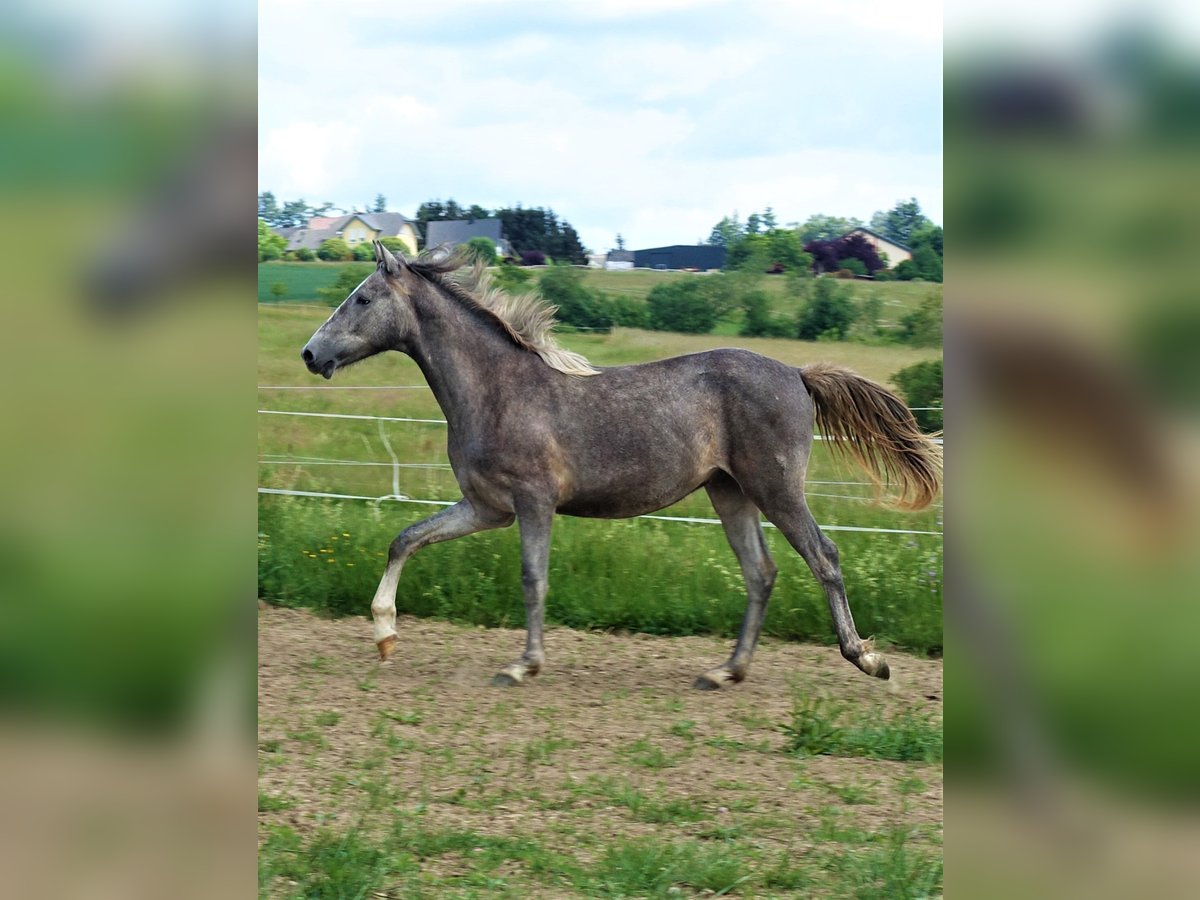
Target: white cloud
{"type": "Point", "coordinates": [621, 123]}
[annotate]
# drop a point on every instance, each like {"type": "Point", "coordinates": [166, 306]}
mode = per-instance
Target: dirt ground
{"type": "Point", "coordinates": [612, 717]}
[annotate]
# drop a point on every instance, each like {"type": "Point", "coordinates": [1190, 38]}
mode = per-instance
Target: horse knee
{"type": "Point", "coordinates": [402, 547]}
{"type": "Point", "coordinates": [768, 573]}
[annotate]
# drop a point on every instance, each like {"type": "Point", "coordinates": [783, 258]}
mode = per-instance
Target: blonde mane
{"type": "Point", "coordinates": [528, 321]}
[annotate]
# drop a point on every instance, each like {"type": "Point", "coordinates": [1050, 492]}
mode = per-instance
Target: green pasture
{"type": "Point", "coordinates": [301, 280]}
{"type": "Point", "coordinates": [642, 575]}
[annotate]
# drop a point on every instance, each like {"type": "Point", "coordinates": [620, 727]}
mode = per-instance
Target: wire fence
{"type": "Point", "coordinates": [396, 496]}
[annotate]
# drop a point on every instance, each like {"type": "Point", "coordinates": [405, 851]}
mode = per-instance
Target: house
{"type": "Point", "coordinates": [619, 259]}
{"type": "Point", "coordinates": [453, 232]}
{"type": "Point", "coordinates": [353, 229]}
{"type": "Point", "coordinates": [698, 257]}
{"type": "Point", "coordinates": [887, 249]}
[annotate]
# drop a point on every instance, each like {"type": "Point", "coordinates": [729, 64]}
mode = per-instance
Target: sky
{"type": "Point", "coordinates": [647, 118]}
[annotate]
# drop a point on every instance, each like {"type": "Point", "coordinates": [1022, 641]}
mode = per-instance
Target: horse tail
{"type": "Point", "coordinates": [865, 421]}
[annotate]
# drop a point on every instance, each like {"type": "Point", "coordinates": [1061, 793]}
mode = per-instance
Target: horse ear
{"type": "Point", "coordinates": [386, 261]}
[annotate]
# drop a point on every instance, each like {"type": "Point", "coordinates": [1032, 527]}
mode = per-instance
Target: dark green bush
{"type": "Point", "coordinates": [481, 249]}
{"type": "Point", "coordinates": [629, 313]}
{"type": "Point", "coordinates": [304, 254]}
{"type": "Point", "coordinates": [511, 278]}
{"type": "Point", "coordinates": [829, 313]}
{"type": "Point", "coordinates": [683, 305]}
{"type": "Point", "coordinates": [906, 270]}
{"type": "Point", "coordinates": [758, 320]}
{"type": "Point", "coordinates": [921, 385]}
{"type": "Point", "coordinates": [334, 249]}
{"type": "Point", "coordinates": [563, 286]}
{"type": "Point", "coordinates": [364, 252]}
{"type": "Point", "coordinates": [928, 264]}
{"type": "Point", "coordinates": [923, 326]}
{"type": "Point", "coordinates": [857, 266]}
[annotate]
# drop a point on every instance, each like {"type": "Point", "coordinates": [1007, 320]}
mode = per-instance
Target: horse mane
{"type": "Point", "coordinates": [524, 318]}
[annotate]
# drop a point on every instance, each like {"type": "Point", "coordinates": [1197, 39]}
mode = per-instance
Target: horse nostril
{"type": "Point", "coordinates": [306, 355]}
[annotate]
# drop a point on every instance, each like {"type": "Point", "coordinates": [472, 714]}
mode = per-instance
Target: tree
{"type": "Point", "coordinates": [923, 326]}
{"type": "Point", "coordinates": [680, 306]}
{"type": "Point", "coordinates": [270, 244]}
{"type": "Point", "coordinates": [928, 263]}
{"type": "Point", "coordinates": [726, 232]}
{"type": "Point", "coordinates": [758, 321]}
{"type": "Point", "coordinates": [829, 313]}
{"type": "Point", "coordinates": [380, 204]}
{"type": "Point", "coordinates": [535, 228]}
{"type": "Point", "coordinates": [774, 251]}
{"type": "Point", "coordinates": [436, 210]}
{"type": "Point", "coordinates": [481, 249]}
{"type": "Point", "coordinates": [821, 227]}
{"type": "Point", "coordinates": [927, 235]}
{"type": "Point", "coordinates": [477, 212]}
{"type": "Point", "coordinates": [268, 208]}
{"type": "Point", "coordinates": [828, 255]}
{"type": "Point", "coordinates": [754, 223]}
{"type": "Point", "coordinates": [900, 222]}
{"type": "Point", "coordinates": [334, 249]}
{"type": "Point", "coordinates": [563, 287]}
{"type": "Point", "coordinates": [620, 242]}
{"type": "Point", "coordinates": [921, 385]}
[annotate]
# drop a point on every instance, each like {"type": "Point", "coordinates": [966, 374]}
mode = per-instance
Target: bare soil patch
{"type": "Point", "coordinates": [609, 741]}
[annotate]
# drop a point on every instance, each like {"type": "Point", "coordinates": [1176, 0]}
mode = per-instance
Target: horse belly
{"type": "Point", "coordinates": [630, 500]}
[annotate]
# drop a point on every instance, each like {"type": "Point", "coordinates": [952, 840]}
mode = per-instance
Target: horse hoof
{"type": "Point", "coordinates": [704, 683]}
{"type": "Point", "coordinates": [504, 680]}
{"type": "Point", "coordinates": [386, 647]}
{"type": "Point", "coordinates": [883, 672]}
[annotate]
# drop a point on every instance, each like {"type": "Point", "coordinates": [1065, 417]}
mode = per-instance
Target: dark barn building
{"type": "Point", "coordinates": [680, 256]}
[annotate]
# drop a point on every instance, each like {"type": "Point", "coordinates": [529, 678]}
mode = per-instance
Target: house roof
{"type": "Point", "coordinates": [319, 229]}
{"type": "Point", "coordinates": [459, 231]}
{"type": "Point", "coordinates": [882, 237]}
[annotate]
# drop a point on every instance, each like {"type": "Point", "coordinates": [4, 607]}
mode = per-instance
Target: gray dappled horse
{"type": "Point", "coordinates": [535, 430]}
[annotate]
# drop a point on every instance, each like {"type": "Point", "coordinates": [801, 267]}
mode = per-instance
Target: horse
{"type": "Point", "coordinates": [534, 431]}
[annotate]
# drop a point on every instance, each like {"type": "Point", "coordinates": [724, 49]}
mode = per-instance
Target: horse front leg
{"type": "Point", "coordinates": [535, 563]}
{"type": "Point", "coordinates": [461, 519]}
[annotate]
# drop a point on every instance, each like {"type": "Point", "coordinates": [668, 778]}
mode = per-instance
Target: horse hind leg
{"type": "Point", "coordinates": [739, 517]}
{"type": "Point", "coordinates": [535, 525]}
{"type": "Point", "coordinates": [821, 554]}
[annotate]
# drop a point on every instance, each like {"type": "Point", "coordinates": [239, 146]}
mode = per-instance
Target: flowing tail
{"type": "Point", "coordinates": [865, 421]}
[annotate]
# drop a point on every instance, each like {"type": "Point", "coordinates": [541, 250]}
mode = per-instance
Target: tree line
{"type": "Point", "coordinates": [534, 233]}
{"type": "Point", "coordinates": [822, 243]}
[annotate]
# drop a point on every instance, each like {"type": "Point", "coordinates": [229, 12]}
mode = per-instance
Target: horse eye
{"type": "Point", "coordinates": [363, 301]}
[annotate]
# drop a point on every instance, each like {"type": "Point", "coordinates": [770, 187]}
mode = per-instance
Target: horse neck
{"type": "Point", "coordinates": [461, 354]}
